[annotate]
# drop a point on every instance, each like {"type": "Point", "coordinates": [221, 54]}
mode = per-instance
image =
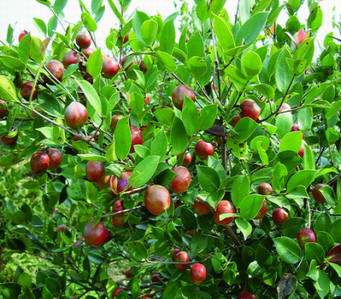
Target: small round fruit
{"type": "Point", "coordinates": [263, 210]}
{"type": "Point", "coordinates": [264, 189]}
{"type": "Point", "coordinates": [183, 259]}
{"type": "Point", "coordinates": [279, 215]}
{"type": "Point", "coordinates": [56, 69]}
{"type": "Point", "coordinates": [114, 120]}
{"type": "Point", "coordinates": [83, 40]}
{"type": "Point", "coordinates": [249, 108]}
{"type": "Point", "coordinates": [143, 67]}
{"type": "Point", "coordinates": [3, 109]}
{"type": "Point", "coordinates": [147, 99]}
{"type": "Point", "coordinates": [223, 207]}
{"type": "Point", "coordinates": [285, 108]}
{"type": "Point", "coordinates": [180, 93]}
{"type": "Point", "coordinates": [136, 137]}
{"type": "Point", "coordinates": [317, 194]}
{"type": "Point", "coordinates": [182, 179]}
{"type": "Point", "coordinates": [118, 220]}
{"type": "Point", "coordinates": [306, 235]}
{"type": "Point", "coordinates": [110, 68]}
{"type": "Point", "coordinates": [187, 159]}
{"type": "Point", "coordinates": [40, 162]}
{"type": "Point", "coordinates": [95, 234]}
{"type": "Point", "coordinates": [28, 90]}
{"type": "Point", "coordinates": [300, 36]}
{"type": "Point", "coordinates": [87, 52]}
{"type": "Point", "coordinates": [76, 115]}
{"type": "Point", "coordinates": [55, 157]}
{"type": "Point", "coordinates": [22, 34]}
{"type": "Point", "coordinates": [334, 254]}
{"type": "Point", "coordinates": [246, 295]}
{"type": "Point", "coordinates": [70, 57]}
{"type": "Point", "coordinates": [204, 149]}
{"type": "Point", "coordinates": [10, 139]}
{"type": "Point", "coordinates": [95, 170]}
{"type": "Point", "coordinates": [301, 151]}
{"type": "Point", "coordinates": [198, 273]}
{"type": "Point", "coordinates": [295, 127]}
{"type": "Point", "coordinates": [201, 208]}
{"type": "Point", "coordinates": [117, 292]}
{"type": "Point", "coordinates": [157, 199]}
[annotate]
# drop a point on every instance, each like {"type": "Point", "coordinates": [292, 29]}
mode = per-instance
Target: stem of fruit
{"type": "Point", "coordinates": [309, 213]}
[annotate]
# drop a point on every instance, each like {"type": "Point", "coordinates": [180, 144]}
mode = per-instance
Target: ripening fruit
{"type": "Point", "coordinates": [334, 254]}
{"type": "Point", "coordinates": [27, 88]}
{"type": "Point", "coordinates": [187, 159]}
{"type": "Point", "coordinates": [263, 210]}
{"type": "Point", "coordinates": [76, 115]}
{"type": "Point", "coordinates": [279, 215]}
{"type": "Point", "coordinates": [136, 137]}
{"type": "Point", "coordinates": [40, 162]}
{"type": "Point", "coordinates": [182, 179]}
{"type": "Point", "coordinates": [83, 40]}
{"type": "Point", "coordinates": [95, 170]}
{"type": "Point", "coordinates": [70, 57]}
{"type": "Point", "coordinates": [223, 207]}
{"type": "Point", "coordinates": [301, 151]}
{"type": "Point", "coordinates": [147, 99]}
{"type": "Point", "coordinates": [55, 157]}
{"type": "Point", "coordinates": [317, 194]}
{"type": "Point", "coordinates": [10, 139]}
{"type": "Point", "coordinates": [157, 199]}
{"type": "Point", "coordinates": [306, 235]}
{"type": "Point", "coordinates": [114, 120]}
{"type": "Point", "coordinates": [249, 108]}
{"type": "Point", "coordinates": [22, 34]}
{"type": "Point", "coordinates": [110, 67]}
{"type": "Point", "coordinates": [295, 127]}
{"type": "Point", "coordinates": [117, 292]}
{"type": "Point", "coordinates": [264, 189]}
{"type": "Point", "coordinates": [56, 69]}
{"type": "Point", "coordinates": [246, 295]}
{"type": "Point", "coordinates": [143, 67]}
{"type": "Point", "coordinates": [182, 258]}
{"type": "Point", "coordinates": [117, 220]}
{"type": "Point", "coordinates": [87, 52]}
{"type": "Point", "coordinates": [198, 273]}
{"type": "Point", "coordinates": [300, 36]}
{"type": "Point", "coordinates": [156, 277]}
{"type": "Point", "coordinates": [3, 109]}
{"type": "Point", "coordinates": [95, 234]}
{"type": "Point", "coordinates": [285, 107]}
{"type": "Point", "coordinates": [204, 149]}
{"type": "Point", "coordinates": [235, 120]}
{"type": "Point", "coordinates": [179, 95]}
{"type": "Point", "coordinates": [201, 208]}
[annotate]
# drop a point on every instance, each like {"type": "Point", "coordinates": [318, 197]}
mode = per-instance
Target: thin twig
{"type": "Point", "coordinates": [121, 212]}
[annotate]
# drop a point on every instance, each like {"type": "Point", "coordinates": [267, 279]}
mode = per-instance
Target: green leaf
{"type": "Point", "coordinates": [7, 89]}
{"type": "Point", "coordinates": [251, 64]}
{"type": "Point", "coordinates": [149, 31]}
{"type": "Point", "coordinates": [278, 176]}
{"type": "Point", "coordinates": [314, 251]}
{"type": "Point", "coordinates": [301, 178]}
{"type": "Point", "coordinates": [219, 262]}
{"type": "Point", "coordinates": [284, 70]}
{"type": "Point", "coordinates": [195, 46]}
{"type": "Point", "coordinates": [51, 26]}
{"type": "Point", "coordinates": [179, 138]}
{"type": "Point", "coordinates": [240, 189]}
{"type": "Point", "coordinates": [245, 128]}
{"type": "Point", "coordinates": [284, 123]}
{"type": "Point", "coordinates": [252, 28]}
{"type": "Point", "coordinates": [144, 171]}
{"type": "Point", "coordinates": [165, 115]}
{"type": "Point", "coordinates": [322, 284]}
{"type": "Point", "coordinates": [288, 249]}
{"type": "Point", "coordinates": [59, 5]}
{"type": "Point", "coordinates": [190, 117]}
{"type": "Point", "coordinates": [167, 60]}
{"type": "Point", "coordinates": [91, 95]}
{"type": "Point", "coordinates": [250, 205]}
{"type": "Point", "coordinates": [337, 268]}
{"type": "Point", "coordinates": [208, 178]}
{"type": "Point", "coordinates": [36, 49]}
{"type": "Point", "coordinates": [291, 141]}
{"type": "Point", "coordinates": [305, 118]}
{"type": "Point", "coordinates": [208, 116]}
{"type": "Point", "coordinates": [12, 63]}
{"type": "Point", "coordinates": [88, 21]}
{"type": "Point", "coordinates": [122, 137]}
{"type": "Point", "coordinates": [9, 35]}
{"type": "Point", "coordinates": [216, 6]}
{"type": "Point", "coordinates": [159, 144]}
{"type": "Point", "coordinates": [223, 33]}
{"type": "Point", "coordinates": [315, 18]}
{"type": "Point", "coordinates": [94, 63]}
{"type": "Point", "coordinates": [116, 11]}
{"type": "Point", "coordinates": [335, 230]}
{"type": "Point", "coordinates": [167, 36]}
{"type": "Point", "coordinates": [244, 226]}
{"type": "Point", "coordinates": [308, 158]}
{"type": "Point", "coordinates": [41, 25]}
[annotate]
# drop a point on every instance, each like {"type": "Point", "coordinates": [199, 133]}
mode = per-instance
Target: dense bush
{"type": "Point", "coordinates": [192, 157]}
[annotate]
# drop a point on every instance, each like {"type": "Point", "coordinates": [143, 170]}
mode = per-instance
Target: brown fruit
{"type": "Point", "coordinates": [56, 69]}
{"type": "Point", "coordinates": [306, 235]}
{"type": "Point", "coordinates": [285, 108]}
{"type": "Point", "coordinates": [10, 139]}
{"type": "Point", "coordinates": [110, 67]}
{"type": "Point", "coordinates": [96, 234]}
{"type": "Point", "coordinates": [201, 208]}
{"type": "Point", "coordinates": [22, 34]}
{"type": "Point", "coordinates": [157, 199]}
{"type": "Point", "coordinates": [317, 194]}
{"type": "Point", "coordinates": [187, 159]}
{"type": "Point", "coordinates": [182, 179]}
{"type": "Point", "coordinates": [334, 254]}
{"type": "Point", "coordinates": [40, 162]}
{"type": "Point", "coordinates": [87, 52]}
{"type": "Point", "coordinates": [223, 207]}
{"type": "Point", "coordinates": [55, 157]}
{"type": "Point", "coordinates": [235, 120]}
{"type": "Point", "coordinates": [76, 115]}
{"type": "Point", "coordinates": [147, 99]}
{"type": "Point", "coordinates": [136, 137]}
{"type": "Point", "coordinates": [264, 189]}
{"type": "Point", "coordinates": [246, 295]}
{"type": "Point", "coordinates": [83, 40]}
{"type": "Point", "coordinates": [249, 108]}
{"type": "Point", "coordinates": [180, 93]}
{"type": "Point", "coordinates": [70, 57]}
{"type": "Point", "coordinates": [95, 170]}
{"type": "Point", "coordinates": [27, 89]}
{"type": "Point", "coordinates": [279, 215]}
{"type": "Point", "coordinates": [3, 109]}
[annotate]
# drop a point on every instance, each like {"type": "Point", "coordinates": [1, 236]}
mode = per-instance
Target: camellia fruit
{"type": "Point", "coordinates": [249, 108]}
{"type": "Point", "coordinates": [56, 69]}
{"type": "Point", "coordinates": [157, 199]}
{"type": "Point", "coordinates": [204, 149]}
{"type": "Point", "coordinates": [279, 215]}
{"type": "Point", "coordinates": [295, 127]}
{"type": "Point", "coordinates": [96, 234]}
{"type": "Point", "coordinates": [55, 157]}
{"type": "Point", "coordinates": [83, 40]}
{"type": "Point", "coordinates": [118, 220]}
{"type": "Point", "coordinates": [147, 99]}
{"type": "Point", "coordinates": [3, 109]}
{"type": "Point", "coordinates": [264, 189]}
{"type": "Point", "coordinates": [235, 120]}
{"type": "Point", "coordinates": [182, 179]}
{"type": "Point", "coordinates": [306, 235]}
{"type": "Point", "coordinates": [28, 90]}
{"type": "Point", "coordinates": [136, 137]}
{"type": "Point", "coordinates": [180, 93]}
{"type": "Point", "coordinates": [263, 210]}
{"type": "Point", "coordinates": [76, 115]}
{"type": "Point", "coordinates": [201, 208]}
{"type": "Point", "coordinates": [114, 120]}
{"type": "Point", "coordinates": [70, 57]}
{"type": "Point", "coordinates": [246, 295]}
{"type": "Point", "coordinates": [183, 259]}
{"type": "Point", "coordinates": [110, 67]}
{"type": "Point", "coordinates": [187, 159]}
{"type": "Point", "coordinates": [22, 34]}
{"type": "Point", "coordinates": [317, 194]}
{"type": "Point", "coordinates": [223, 207]}
{"type": "Point", "coordinates": [40, 162]}
{"type": "Point", "coordinates": [300, 36]}
{"type": "Point", "coordinates": [198, 273]}
{"type": "Point", "coordinates": [301, 151]}
{"type": "Point", "coordinates": [95, 170]}
{"type": "Point", "coordinates": [10, 139]}
{"type": "Point", "coordinates": [117, 292]}
{"type": "Point", "coordinates": [334, 254]}
{"type": "Point", "coordinates": [87, 52]}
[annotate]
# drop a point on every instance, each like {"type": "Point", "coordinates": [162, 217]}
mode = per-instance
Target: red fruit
{"type": "Point", "coordinates": [295, 127]}
{"type": "Point", "coordinates": [334, 254]}
{"type": "Point", "coordinates": [22, 34]}
{"type": "Point", "coordinates": [10, 138]}
{"type": "Point", "coordinates": [136, 137]}
{"type": "Point", "coordinates": [157, 199]}
{"type": "Point", "coordinates": [147, 99]}
{"type": "Point", "coordinates": [3, 109]}
{"type": "Point", "coordinates": [182, 179]}
{"type": "Point", "coordinates": [40, 162]}
{"type": "Point", "coordinates": [87, 52]}
{"type": "Point", "coordinates": [156, 278]}
{"type": "Point", "coordinates": [70, 57]}
{"type": "Point", "coordinates": [114, 120]}
{"type": "Point", "coordinates": [264, 189]}
{"type": "Point", "coordinates": [95, 170]}
{"type": "Point", "coordinates": [201, 208]}
{"type": "Point", "coordinates": [306, 235]}
{"type": "Point", "coordinates": [223, 207]}
{"type": "Point", "coordinates": [182, 258]}
{"type": "Point", "coordinates": [83, 40]}
{"type": "Point", "coordinates": [317, 194]}
{"type": "Point", "coordinates": [301, 151]}
{"type": "Point", "coordinates": [117, 291]}
{"type": "Point", "coordinates": [180, 93]}
{"type": "Point", "coordinates": [204, 149]}
{"type": "Point", "coordinates": [263, 210]}
{"type": "Point", "coordinates": [143, 67]}
{"type": "Point", "coordinates": [249, 108]}
{"type": "Point", "coordinates": [246, 295]}
{"type": "Point", "coordinates": [110, 68]}
{"type": "Point", "coordinates": [198, 273]}
{"type": "Point", "coordinates": [300, 36]}
{"type": "Point", "coordinates": [55, 157]}
{"type": "Point", "coordinates": [27, 88]}
{"type": "Point", "coordinates": [285, 108]}
{"type": "Point", "coordinates": [61, 228]}
{"type": "Point", "coordinates": [56, 69]}
{"type": "Point", "coordinates": [235, 120]}
{"type": "Point", "coordinates": [118, 220]}
{"type": "Point", "coordinates": [187, 159]}
{"type": "Point", "coordinates": [95, 234]}
{"type": "Point", "coordinates": [76, 115]}
{"type": "Point", "coordinates": [279, 215]}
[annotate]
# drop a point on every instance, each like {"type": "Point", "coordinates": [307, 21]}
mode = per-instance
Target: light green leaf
{"type": "Point", "coordinates": [240, 189]}
{"type": "Point", "coordinates": [208, 178]}
{"type": "Point", "coordinates": [302, 177]}
{"type": "Point", "coordinates": [179, 138]}
{"type": "Point", "coordinates": [91, 95]}
{"type": "Point", "coordinates": [252, 28]}
{"type": "Point", "coordinates": [7, 89]}
{"type": "Point", "coordinates": [94, 63]}
{"type": "Point", "coordinates": [250, 205]}
{"type": "Point", "coordinates": [288, 249]}
{"type": "Point", "coordinates": [291, 141]}
{"type": "Point", "coordinates": [144, 171]}
{"type": "Point", "coordinates": [223, 33]}
{"type": "Point", "coordinates": [244, 226]}
{"type": "Point", "coordinates": [122, 137]}
{"type": "Point", "coordinates": [149, 31]}
{"type": "Point", "coordinates": [167, 60]}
